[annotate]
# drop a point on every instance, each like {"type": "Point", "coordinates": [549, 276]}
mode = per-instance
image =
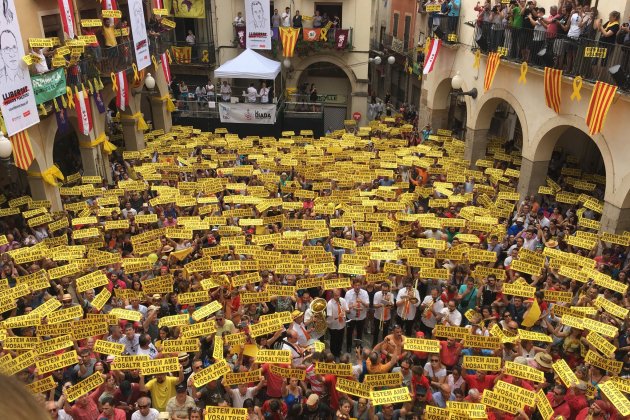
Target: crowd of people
{"type": "Point", "coordinates": [350, 276]}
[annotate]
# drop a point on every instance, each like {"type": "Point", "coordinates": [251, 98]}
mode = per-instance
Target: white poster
{"type": "Point", "coordinates": [18, 98]}
{"type": "Point", "coordinates": [139, 32]}
{"type": "Point", "coordinates": [257, 25]}
{"type": "Point", "coordinates": [247, 113]}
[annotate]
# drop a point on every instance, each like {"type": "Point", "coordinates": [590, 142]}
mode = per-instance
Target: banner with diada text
{"type": "Point", "coordinates": [247, 113]}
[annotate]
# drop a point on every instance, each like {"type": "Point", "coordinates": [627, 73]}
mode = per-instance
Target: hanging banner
{"type": "Point", "coordinates": [139, 32]}
{"type": "Point", "coordinates": [240, 34]}
{"type": "Point", "coordinates": [18, 100]}
{"type": "Point", "coordinates": [247, 114]}
{"type": "Point", "coordinates": [122, 95]}
{"type": "Point", "coordinates": [289, 37]}
{"type": "Point", "coordinates": [434, 49]}
{"type": "Point", "coordinates": [84, 112]}
{"type": "Point", "coordinates": [341, 38]}
{"type": "Point", "coordinates": [166, 68]}
{"type": "Point", "coordinates": [311, 34]}
{"type": "Point", "coordinates": [257, 23]}
{"type": "Point", "coordinates": [66, 13]}
{"type": "Point", "coordinates": [49, 85]}
{"type": "Point", "coordinates": [186, 8]}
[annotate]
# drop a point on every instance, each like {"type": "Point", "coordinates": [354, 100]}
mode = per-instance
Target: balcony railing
{"type": "Point", "coordinates": [439, 23]}
{"type": "Point", "coordinates": [584, 57]}
{"type": "Point", "coordinates": [200, 54]}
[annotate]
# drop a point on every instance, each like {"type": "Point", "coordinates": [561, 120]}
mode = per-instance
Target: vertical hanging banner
{"type": "Point", "coordinates": [494, 59]}
{"type": "Point", "coordinates": [553, 88]}
{"type": "Point", "coordinates": [434, 49]}
{"type": "Point", "coordinates": [122, 95]}
{"type": "Point", "coordinates": [66, 13]}
{"type": "Point", "coordinates": [139, 32]}
{"type": "Point", "coordinates": [84, 112]}
{"type": "Point", "coordinates": [602, 98]}
{"type": "Point", "coordinates": [341, 38]}
{"type": "Point", "coordinates": [241, 34]}
{"type": "Point", "coordinates": [22, 150]}
{"type": "Point", "coordinates": [166, 68]}
{"type": "Point", "coordinates": [258, 34]}
{"type": "Point", "coordinates": [110, 5]}
{"type": "Point", "coordinates": [18, 99]}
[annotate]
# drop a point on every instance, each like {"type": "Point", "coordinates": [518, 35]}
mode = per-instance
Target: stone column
{"type": "Point", "coordinates": [615, 219]}
{"type": "Point", "coordinates": [438, 118]}
{"type": "Point", "coordinates": [134, 139]}
{"type": "Point", "coordinates": [533, 175]}
{"type": "Point", "coordinates": [162, 119]}
{"type": "Point", "coordinates": [90, 160]}
{"type": "Point", "coordinates": [41, 190]}
{"type": "Point", "coordinates": [476, 143]}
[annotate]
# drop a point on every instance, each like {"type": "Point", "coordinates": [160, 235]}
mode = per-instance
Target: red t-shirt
{"type": "Point", "coordinates": [284, 410]}
{"type": "Point", "coordinates": [563, 409]}
{"type": "Point", "coordinates": [274, 382]}
{"type": "Point", "coordinates": [449, 355]}
{"type": "Point", "coordinates": [474, 382]}
{"type": "Point", "coordinates": [330, 382]}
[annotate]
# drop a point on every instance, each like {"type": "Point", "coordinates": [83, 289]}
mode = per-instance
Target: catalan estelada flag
{"type": "Point", "coordinates": [553, 88]}
{"type": "Point", "coordinates": [22, 150]}
{"type": "Point", "coordinates": [289, 37]}
{"type": "Point", "coordinates": [491, 70]}
{"type": "Point", "coordinates": [603, 95]}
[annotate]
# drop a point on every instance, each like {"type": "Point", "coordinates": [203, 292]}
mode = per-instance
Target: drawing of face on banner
{"type": "Point", "coordinates": [18, 99]}
{"type": "Point", "coordinates": [139, 32]}
{"type": "Point", "coordinates": [258, 33]}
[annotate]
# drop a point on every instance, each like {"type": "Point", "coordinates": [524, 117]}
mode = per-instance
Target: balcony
{"type": "Point", "coordinates": [591, 60]}
{"type": "Point", "coordinates": [439, 23]}
{"type": "Point", "coordinates": [302, 48]}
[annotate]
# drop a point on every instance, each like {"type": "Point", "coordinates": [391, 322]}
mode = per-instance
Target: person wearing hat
{"type": "Point", "coordinates": [314, 409]}
{"type": "Point", "coordinates": [179, 405]}
{"type": "Point", "coordinates": [599, 410]}
{"type": "Point", "coordinates": [576, 397]}
{"type": "Point", "coordinates": [517, 226]}
{"type": "Point", "coordinates": [303, 333]}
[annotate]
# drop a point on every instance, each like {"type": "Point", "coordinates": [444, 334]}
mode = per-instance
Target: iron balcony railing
{"type": "Point", "coordinates": [591, 59]}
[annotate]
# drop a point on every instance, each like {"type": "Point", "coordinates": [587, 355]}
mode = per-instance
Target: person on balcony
{"type": "Point", "coordinates": [226, 92]}
{"type": "Point", "coordinates": [239, 20]}
{"type": "Point", "coordinates": [286, 18]}
{"type": "Point", "coordinates": [297, 20]}
{"type": "Point", "coordinates": [275, 19]}
{"type": "Point", "coordinates": [40, 66]}
{"type": "Point", "coordinates": [109, 35]}
{"type": "Point", "coordinates": [453, 15]}
{"type": "Point", "coordinates": [210, 94]}
{"type": "Point", "coordinates": [264, 94]}
{"type": "Point", "coordinates": [317, 20]}
{"type": "Point", "coordinates": [191, 40]}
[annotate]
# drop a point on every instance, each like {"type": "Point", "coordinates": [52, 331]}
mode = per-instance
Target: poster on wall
{"type": "Point", "coordinates": [18, 98]}
{"type": "Point", "coordinates": [245, 114]}
{"type": "Point", "coordinates": [258, 34]}
{"type": "Point", "coordinates": [49, 85]}
{"type": "Point", "coordinates": [186, 8]}
{"type": "Point", "coordinates": [139, 32]}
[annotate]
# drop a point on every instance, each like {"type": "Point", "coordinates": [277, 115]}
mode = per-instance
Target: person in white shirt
{"type": "Point", "coordinates": [286, 17]}
{"type": "Point", "coordinates": [239, 20]}
{"type": "Point", "coordinates": [40, 66]}
{"type": "Point", "coordinates": [252, 93]}
{"type": "Point", "coordinates": [145, 412]}
{"type": "Point", "coordinates": [210, 91]}
{"type": "Point", "coordinates": [145, 346]}
{"type": "Point", "coordinates": [431, 308]}
{"type": "Point", "coordinates": [136, 306]}
{"type": "Point", "coordinates": [336, 311]}
{"type": "Point", "coordinates": [128, 210]}
{"type": "Point", "coordinates": [291, 344]}
{"type": "Point", "coordinates": [226, 92]}
{"type": "Point", "coordinates": [264, 94]}
{"type": "Point", "coordinates": [304, 335]}
{"type": "Point", "coordinates": [243, 392]}
{"type": "Point", "coordinates": [451, 316]}
{"type": "Point", "coordinates": [358, 302]}
{"type": "Point", "coordinates": [407, 303]}
{"type": "Point", "coordinates": [383, 307]}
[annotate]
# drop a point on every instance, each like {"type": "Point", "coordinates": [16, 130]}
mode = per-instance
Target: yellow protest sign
{"type": "Point", "coordinates": [57, 362]}
{"type": "Point", "coordinates": [299, 374]}
{"type": "Point", "coordinates": [524, 372]}
{"type": "Point", "coordinates": [91, 382]}
{"type": "Point", "coordinates": [108, 347]}
{"type": "Point", "coordinates": [615, 396]}
{"type": "Point", "coordinates": [391, 396]}
{"type": "Point", "coordinates": [164, 365]}
{"type": "Point", "coordinates": [351, 387]}
{"type": "Point", "coordinates": [339, 369]}
{"type": "Point", "coordinates": [243, 377]}
{"type": "Point", "coordinates": [224, 413]}
{"type": "Point", "coordinates": [273, 356]}
{"type": "Point", "coordinates": [421, 344]}
{"type": "Point", "coordinates": [482, 363]}
{"type": "Point", "coordinates": [211, 373]}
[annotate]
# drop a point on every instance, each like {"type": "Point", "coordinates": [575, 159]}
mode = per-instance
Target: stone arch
{"type": "Point", "coordinates": [486, 105]}
{"type": "Point", "coordinates": [306, 62]}
{"type": "Point", "coordinates": [440, 97]}
{"type": "Point", "coordinates": [545, 138]}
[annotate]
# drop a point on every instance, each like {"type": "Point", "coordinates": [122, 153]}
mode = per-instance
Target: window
{"type": "Point", "coordinates": [51, 24]}
{"type": "Point", "coordinates": [395, 25]}
{"type": "Point", "coordinates": [407, 30]}
{"type": "Point", "coordinates": [330, 10]}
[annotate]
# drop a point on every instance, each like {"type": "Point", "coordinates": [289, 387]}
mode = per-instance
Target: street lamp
{"type": "Point", "coordinates": [6, 148]}
{"type": "Point", "coordinates": [457, 82]}
{"type": "Point", "coordinates": [378, 60]}
{"type": "Point", "coordinates": [391, 59]}
{"type": "Point", "coordinates": [286, 63]}
{"type": "Point", "coordinates": [149, 82]}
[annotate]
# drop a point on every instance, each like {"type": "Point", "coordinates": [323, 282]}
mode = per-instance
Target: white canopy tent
{"type": "Point", "coordinates": [249, 65]}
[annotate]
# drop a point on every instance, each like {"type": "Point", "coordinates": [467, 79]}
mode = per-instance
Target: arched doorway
{"type": "Point", "coordinates": [334, 89]}
{"type": "Point", "coordinates": [66, 152]}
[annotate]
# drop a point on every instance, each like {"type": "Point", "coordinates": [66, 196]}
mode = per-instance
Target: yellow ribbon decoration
{"type": "Point", "coordinates": [136, 77]}
{"type": "Point", "coordinates": [114, 84]}
{"type": "Point", "coordinates": [91, 87]}
{"type": "Point", "coordinates": [42, 110]}
{"type": "Point", "coordinates": [82, 87]}
{"type": "Point", "coordinates": [170, 106]}
{"type": "Point", "coordinates": [577, 87]}
{"type": "Point", "coordinates": [142, 124]}
{"type": "Point", "coordinates": [477, 59]}
{"type": "Point", "coordinates": [323, 33]}
{"type": "Point", "coordinates": [523, 77]}
{"type": "Point", "coordinates": [50, 175]}
{"type": "Point", "coordinates": [63, 102]}
{"type": "Point", "coordinates": [56, 105]}
{"type": "Point", "coordinates": [155, 63]}
{"type": "Point", "coordinates": [70, 98]}
{"type": "Point", "coordinates": [98, 85]}
{"type": "Point", "coordinates": [108, 147]}
{"type": "Point", "coordinates": [204, 57]}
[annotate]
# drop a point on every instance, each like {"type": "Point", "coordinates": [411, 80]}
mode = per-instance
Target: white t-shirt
{"type": "Point", "coordinates": [432, 320]}
{"type": "Point", "coordinates": [574, 29]}
{"type": "Point", "coordinates": [251, 94]}
{"type": "Point", "coordinates": [238, 399]}
{"type": "Point", "coordinates": [153, 415]}
{"type": "Point", "coordinates": [264, 95]}
{"type": "Point", "coordinates": [286, 19]}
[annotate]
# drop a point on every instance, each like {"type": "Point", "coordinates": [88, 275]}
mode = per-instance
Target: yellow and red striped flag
{"type": "Point", "coordinates": [603, 95]}
{"type": "Point", "coordinates": [289, 37]}
{"type": "Point", "coordinates": [553, 88]}
{"type": "Point", "coordinates": [22, 150]}
{"type": "Point", "coordinates": [491, 70]}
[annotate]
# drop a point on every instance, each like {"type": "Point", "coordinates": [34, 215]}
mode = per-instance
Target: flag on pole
{"type": "Point", "coordinates": [434, 48]}
{"type": "Point", "coordinates": [491, 69]}
{"type": "Point", "coordinates": [122, 95]}
{"type": "Point", "coordinates": [67, 17]}
{"type": "Point", "coordinates": [22, 150]}
{"type": "Point", "coordinates": [553, 88]}
{"type": "Point", "coordinates": [289, 37]}
{"type": "Point", "coordinates": [158, 4]}
{"type": "Point", "coordinates": [603, 95]}
{"type": "Point", "coordinates": [84, 112]}
{"type": "Point", "coordinates": [166, 68]}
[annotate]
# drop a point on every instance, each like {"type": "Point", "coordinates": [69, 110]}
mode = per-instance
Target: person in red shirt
{"type": "Point", "coordinates": [449, 352]}
{"type": "Point", "coordinates": [577, 398]}
{"type": "Point", "coordinates": [557, 399]}
{"type": "Point", "coordinates": [274, 382]}
{"type": "Point", "coordinates": [597, 411]}
{"type": "Point", "coordinates": [275, 409]}
{"type": "Point", "coordinates": [110, 412]}
{"type": "Point", "coordinates": [85, 408]}
{"type": "Point", "coordinates": [480, 381]}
